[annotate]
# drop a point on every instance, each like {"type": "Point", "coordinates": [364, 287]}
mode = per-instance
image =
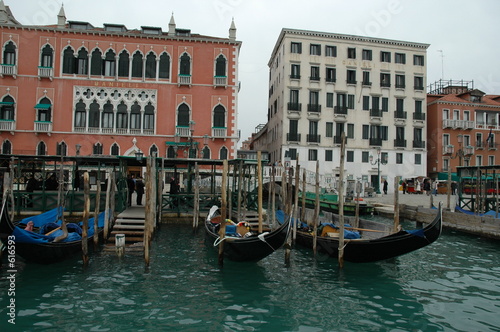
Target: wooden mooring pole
{"type": "Point", "coordinates": [341, 203]}
{"type": "Point", "coordinates": [86, 213]}
{"type": "Point", "coordinates": [96, 214]}
{"type": "Point", "coordinates": [316, 211]}
{"type": "Point", "coordinates": [396, 203]}
{"type": "Point", "coordinates": [196, 203]}
{"type": "Point", "coordinates": [222, 230]}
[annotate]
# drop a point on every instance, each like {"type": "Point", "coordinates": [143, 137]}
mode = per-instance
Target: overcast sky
{"type": "Point", "coordinates": [464, 32]}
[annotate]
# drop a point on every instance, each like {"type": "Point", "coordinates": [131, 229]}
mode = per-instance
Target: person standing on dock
{"type": "Point", "coordinates": [131, 188]}
{"type": "Point", "coordinates": [139, 189]}
{"type": "Point", "coordinates": [385, 187]}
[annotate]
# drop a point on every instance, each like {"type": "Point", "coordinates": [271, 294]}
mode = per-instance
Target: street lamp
{"type": "Point", "coordinates": [378, 161]}
{"type": "Point", "coordinates": [192, 154]}
{"type": "Point", "coordinates": [139, 155]}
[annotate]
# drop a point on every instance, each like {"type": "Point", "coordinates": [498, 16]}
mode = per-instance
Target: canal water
{"type": "Point", "coordinates": [452, 285]}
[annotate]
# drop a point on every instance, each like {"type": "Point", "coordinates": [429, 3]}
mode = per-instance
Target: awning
{"type": "Point", "coordinates": [6, 103]}
{"type": "Point", "coordinates": [43, 106]}
{"type": "Point", "coordinates": [181, 143]}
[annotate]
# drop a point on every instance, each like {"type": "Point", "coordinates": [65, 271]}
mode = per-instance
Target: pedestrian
{"type": "Point", "coordinates": [385, 187]}
{"type": "Point", "coordinates": [404, 187]}
{"type": "Point", "coordinates": [427, 187]}
{"type": "Point", "coordinates": [131, 188]}
{"type": "Point", "coordinates": [139, 189]}
{"type": "Point", "coordinates": [453, 187]}
{"type": "Point", "coordinates": [434, 188]}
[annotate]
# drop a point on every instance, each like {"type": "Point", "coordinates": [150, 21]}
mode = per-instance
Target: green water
{"type": "Point", "coordinates": [452, 285]}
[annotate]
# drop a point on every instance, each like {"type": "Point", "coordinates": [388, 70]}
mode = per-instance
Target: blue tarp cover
{"type": "Point", "coordinates": [43, 218]}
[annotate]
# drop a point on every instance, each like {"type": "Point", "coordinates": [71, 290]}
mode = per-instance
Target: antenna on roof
{"type": "Point", "coordinates": [442, 64]}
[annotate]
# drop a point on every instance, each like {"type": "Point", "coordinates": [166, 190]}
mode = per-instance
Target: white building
{"type": "Point", "coordinates": [322, 84]}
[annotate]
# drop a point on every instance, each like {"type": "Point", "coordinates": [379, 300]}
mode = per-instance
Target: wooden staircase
{"type": "Point", "coordinates": [132, 226]}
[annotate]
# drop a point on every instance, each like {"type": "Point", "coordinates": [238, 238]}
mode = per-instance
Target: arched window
{"type": "Point", "coordinates": [123, 64]}
{"type": "Point", "coordinates": [107, 115]}
{"type": "Point", "coordinates": [61, 149]}
{"type": "Point", "coordinates": [82, 62]}
{"type": "Point", "coordinates": [151, 65]}
{"type": "Point", "coordinates": [110, 64]}
{"type": "Point", "coordinates": [97, 149]}
{"type": "Point", "coordinates": [135, 116]}
{"type": "Point", "coordinates": [185, 67]}
{"type": "Point", "coordinates": [7, 147]}
{"type": "Point", "coordinates": [115, 150]}
{"type": "Point", "coordinates": [80, 114]}
{"type": "Point", "coordinates": [164, 66]}
{"type": "Point", "coordinates": [223, 153]}
{"type": "Point", "coordinates": [220, 116]}
{"type": "Point", "coordinates": [41, 149]}
{"type": "Point", "coordinates": [206, 152]}
{"type": "Point", "coordinates": [9, 54]}
{"type": "Point", "coordinates": [68, 61]}
{"type": "Point", "coordinates": [48, 55]}
{"type": "Point", "coordinates": [149, 117]}
{"type": "Point", "coordinates": [183, 115]}
{"type": "Point", "coordinates": [220, 66]}
{"type": "Point", "coordinates": [7, 108]}
{"type": "Point", "coordinates": [137, 65]}
{"type": "Point", "coordinates": [96, 63]}
{"type": "Point", "coordinates": [121, 116]}
{"type": "Point", "coordinates": [94, 115]}
{"type": "Point", "coordinates": [153, 150]}
{"type": "Point", "coordinates": [44, 110]}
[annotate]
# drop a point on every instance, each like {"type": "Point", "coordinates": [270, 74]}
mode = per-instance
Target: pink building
{"type": "Point", "coordinates": [74, 88]}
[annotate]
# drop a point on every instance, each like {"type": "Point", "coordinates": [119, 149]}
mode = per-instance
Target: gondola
{"type": "Point", "coordinates": [374, 248]}
{"type": "Point", "coordinates": [40, 248]}
{"type": "Point", "coordinates": [244, 244]}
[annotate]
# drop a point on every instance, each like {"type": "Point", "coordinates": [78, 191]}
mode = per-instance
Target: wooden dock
{"type": "Point", "coordinates": [131, 224]}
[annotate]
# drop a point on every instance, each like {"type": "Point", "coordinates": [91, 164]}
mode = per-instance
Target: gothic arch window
{"type": "Point", "coordinates": [185, 66]}
{"type": "Point", "coordinates": [96, 62]}
{"type": "Point", "coordinates": [220, 66]}
{"type": "Point", "coordinates": [47, 56]}
{"type": "Point", "coordinates": [110, 64]}
{"type": "Point", "coordinates": [121, 116]}
{"type": "Point", "coordinates": [223, 153]}
{"type": "Point", "coordinates": [151, 65]}
{"type": "Point", "coordinates": [97, 149]}
{"type": "Point", "coordinates": [7, 108]}
{"type": "Point", "coordinates": [183, 115]}
{"type": "Point", "coordinates": [153, 150]}
{"type": "Point", "coordinates": [82, 62]}
{"type": "Point", "coordinates": [94, 115]}
{"type": "Point", "coordinates": [107, 115]}
{"type": "Point", "coordinates": [123, 64]}
{"type": "Point", "coordinates": [41, 149]}
{"type": "Point", "coordinates": [80, 114]}
{"type": "Point", "coordinates": [7, 147]}
{"type": "Point", "coordinates": [149, 117]}
{"type": "Point", "coordinates": [137, 65]}
{"type": "Point", "coordinates": [115, 150]}
{"type": "Point", "coordinates": [219, 116]}
{"type": "Point", "coordinates": [206, 152]}
{"type": "Point", "coordinates": [164, 66]}
{"type": "Point", "coordinates": [135, 116]}
{"type": "Point", "coordinates": [61, 149]}
{"type": "Point", "coordinates": [68, 61]}
{"type": "Point", "coordinates": [44, 110]}
{"type": "Point", "coordinates": [9, 54]}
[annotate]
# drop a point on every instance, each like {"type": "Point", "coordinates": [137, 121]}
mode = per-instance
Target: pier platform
{"type": "Point", "coordinates": [131, 224]}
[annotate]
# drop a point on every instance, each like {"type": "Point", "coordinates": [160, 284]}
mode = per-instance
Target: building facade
{"type": "Point", "coordinates": [324, 84]}
{"type": "Point", "coordinates": [462, 126]}
{"type": "Point", "coordinates": [72, 88]}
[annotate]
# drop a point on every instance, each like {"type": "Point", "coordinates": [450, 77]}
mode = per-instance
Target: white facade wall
{"type": "Point", "coordinates": [401, 154]}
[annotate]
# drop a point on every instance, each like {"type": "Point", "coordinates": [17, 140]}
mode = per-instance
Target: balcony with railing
{"type": "Point", "coordinates": [313, 138]}
{"type": "Point", "coordinates": [492, 145]}
{"type": "Point", "coordinates": [45, 72]}
{"type": "Point", "coordinates": [376, 113]}
{"type": "Point", "coordinates": [419, 116]}
{"type": "Point", "coordinates": [314, 108]}
{"type": "Point", "coordinates": [184, 79]}
{"type": "Point", "coordinates": [219, 132]}
{"type": "Point", "coordinates": [340, 110]}
{"type": "Point", "coordinates": [8, 70]}
{"type": "Point", "coordinates": [366, 83]}
{"type": "Point", "coordinates": [400, 115]}
{"type": "Point", "coordinates": [448, 149]}
{"type": "Point", "coordinates": [293, 137]}
{"type": "Point", "coordinates": [183, 131]}
{"type": "Point", "coordinates": [419, 144]}
{"type": "Point", "coordinates": [220, 80]}
{"type": "Point", "coordinates": [448, 123]}
{"type": "Point", "coordinates": [338, 139]}
{"type": "Point", "coordinates": [375, 142]}
{"type": "Point", "coordinates": [292, 106]}
{"type": "Point", "coordinates": [351, 81]}
{"type": "Point", "coordinates": [7, 125]}
{"type": "Point", "coordinates": [43, 126]}
{"type": "Point", "coordinates": [400, 143]}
